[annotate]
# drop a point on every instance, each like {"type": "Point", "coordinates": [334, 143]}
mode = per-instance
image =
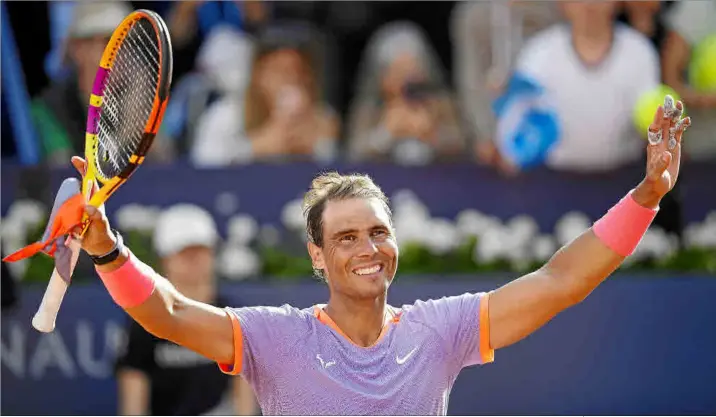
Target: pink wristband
{"type": "Point", "coordinates": [131, 284]}
{"type": "Point", "coordinates": [622, 228]}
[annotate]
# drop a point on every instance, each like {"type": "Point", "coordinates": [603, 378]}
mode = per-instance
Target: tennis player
{"type": "Point", "coordinates": [357, 354]}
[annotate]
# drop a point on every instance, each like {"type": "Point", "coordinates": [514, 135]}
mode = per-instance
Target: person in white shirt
{"type": "Point", "coordinates": [594, 71]}
{"type": "Point", "coordinates": [689, 23]}
{"type": "Point", "coordinates": [486, 39]}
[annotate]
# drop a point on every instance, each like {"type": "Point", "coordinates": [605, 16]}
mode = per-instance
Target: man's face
{"type": "Point", "coordinates": [359, 255]}
{"type": "Point", "coordinates": [190, 266]}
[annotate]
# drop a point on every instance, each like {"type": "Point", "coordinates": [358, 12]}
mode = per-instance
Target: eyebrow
{"type": "Point", "coordinates": [349, 231]}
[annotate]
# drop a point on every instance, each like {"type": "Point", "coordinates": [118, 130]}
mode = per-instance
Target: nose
{"type": "Point", "coordinates": [367, 248]}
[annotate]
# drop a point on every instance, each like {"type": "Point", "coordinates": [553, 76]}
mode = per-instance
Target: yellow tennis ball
{"type": "Point", "coordinates": [702, 67]}
{"type": "Point", "coordinates": [647, 104]}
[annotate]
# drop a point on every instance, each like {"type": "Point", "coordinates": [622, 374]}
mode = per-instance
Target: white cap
{"type": "Point", "coordinates": [182, 226]}
{"type": "Point", "coordinates": [96, 18]}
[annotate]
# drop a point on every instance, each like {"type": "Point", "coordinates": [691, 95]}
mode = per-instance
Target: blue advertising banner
{"type": "Point", "coordinates": [638, 345]}
{"type": "Point", "coordinates": [262, 190]}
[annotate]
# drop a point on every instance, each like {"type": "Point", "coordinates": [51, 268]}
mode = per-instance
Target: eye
{"type": "Point", "coordinates": [347, 238]}
{"type": "Point", "coordinates": [380, 233]}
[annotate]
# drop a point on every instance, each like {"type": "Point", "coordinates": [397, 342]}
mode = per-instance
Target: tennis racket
{"type": "Point", "coordinates": [126, 107]}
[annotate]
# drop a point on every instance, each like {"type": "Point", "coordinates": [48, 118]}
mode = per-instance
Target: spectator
{"type": "Point", "coordinates": [594, 72]}
{"type": "Point", "coordinates": [158, 377]}
{"type": "Point", "coordinates": [285, 113]}
{"type": "Point", "coordinates": [222, 69]}
{"type": "Point", "coordinates": [403, 110]}
{"type": "Point", "coordinates": [487, 36]}
{"type": "Point", "coordinates": [647, 17]}
{"type": "Point", "coordinates": [192, 22]}
{"type": "Point", "coordinates": [60, 111]}
{"type": "Point", "coordinates": [690, 22]}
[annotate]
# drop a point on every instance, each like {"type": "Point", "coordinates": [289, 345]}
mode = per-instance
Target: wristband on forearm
{"type": "Point", "coordinates": [131, 284]}
{"type": "Point", "coordinates": [623, 226]}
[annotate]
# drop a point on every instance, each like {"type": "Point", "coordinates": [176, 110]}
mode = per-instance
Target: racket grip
{"type": "Point", "coordinates": [46, 315]}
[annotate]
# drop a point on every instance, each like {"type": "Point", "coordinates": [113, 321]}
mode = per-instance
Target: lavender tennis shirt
{"type": "Point", "coordinates": [299, 362]}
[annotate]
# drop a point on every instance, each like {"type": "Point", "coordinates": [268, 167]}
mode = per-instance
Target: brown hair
{"type": "Point", "coordinates": [256, 110]}
{"type": "Point", "coordinates": [333, 186]}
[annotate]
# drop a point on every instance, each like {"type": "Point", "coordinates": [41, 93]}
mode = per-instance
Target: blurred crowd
{"type": "Point", "coordinates": [506, 83]}
{"type": "Point", "coordinates": [523, 84]}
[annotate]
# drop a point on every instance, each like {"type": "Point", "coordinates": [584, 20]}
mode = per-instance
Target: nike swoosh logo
{"type": "Point", "coordinates": [402, 360]}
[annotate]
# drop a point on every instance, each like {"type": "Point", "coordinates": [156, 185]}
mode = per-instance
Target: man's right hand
{"type": "Point", "coordinates": [98, 239]}
{"type": "Point", "coordinates": [167, 314]}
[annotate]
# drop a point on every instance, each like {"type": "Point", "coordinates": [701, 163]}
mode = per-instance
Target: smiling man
{"type": "Point", "coordinates": [357, 354]}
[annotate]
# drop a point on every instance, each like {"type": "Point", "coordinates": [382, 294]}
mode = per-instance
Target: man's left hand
{"type": "Point", "coordinates": [663, 153]}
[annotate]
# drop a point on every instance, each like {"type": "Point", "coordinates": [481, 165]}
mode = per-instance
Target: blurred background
{"type": "Point", "coordinates": [500, 130]}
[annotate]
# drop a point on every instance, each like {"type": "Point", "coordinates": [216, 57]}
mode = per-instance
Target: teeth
{"type": "Point", "coordinates": [367, 271]}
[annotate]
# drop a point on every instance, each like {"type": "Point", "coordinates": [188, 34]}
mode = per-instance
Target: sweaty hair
{"type": "Point", "coordinates": [333, 186]}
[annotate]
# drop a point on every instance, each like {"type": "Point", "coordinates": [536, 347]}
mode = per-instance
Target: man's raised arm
{"type": "Point", "coordinates": [152, 300]}
{"type": "Point", "coordinates": [522, 306]}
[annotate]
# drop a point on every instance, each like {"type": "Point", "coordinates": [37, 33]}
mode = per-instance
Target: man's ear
{"type": "Point", "coordinates": [316, 256]}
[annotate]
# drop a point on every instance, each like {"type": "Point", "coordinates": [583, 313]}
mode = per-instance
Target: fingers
{"type": "Point", "coordinates": [654, 134]}
{"type": "Point", "coordinates": [79, 164]}
{"type": "Point", "coordinates": [677, 131]}
{"type": "Point", "coordinates": [92, 212]}
{"type": "Point", "coordinates": [667, 120]}
{"type": "Point", "coordinates": [672, 109]}
{"type": "Point", "coordinates": [659, 163]}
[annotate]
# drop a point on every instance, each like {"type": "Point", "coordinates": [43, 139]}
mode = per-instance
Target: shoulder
{"type": "Point", "coordinates": [633, 39]}
{"type": "Point", "coordinates": [433, 310]}
{"type": "Point", "coordinates": [540, 49]}
{"type": "Point", "coordinates": [274, 315]}
{"type": "Point", "coordinates": [635, 45]}
{"type": "Point", "coordinates": [549, 36]}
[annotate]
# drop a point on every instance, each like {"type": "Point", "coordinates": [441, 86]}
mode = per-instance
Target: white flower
{"type": "Point", "coordinates": [711, 217]}
{"type": "Point", "coordinates": [490, 246]}
{"type": "Point", "coordinates": [410, 230]}
{"type": "Point", "coordinates": [522, 229]}
{"type": "Point", "coordinates": [473, 223]}
{"type": "Point", "coordinates": [238, 262]}
{"type": "Point", "coordinates": [701, 235]}
{"type": "Point", "coordinates": [570, 226]}
{"type": "Point", "coordinates": [242, 229]}
{"type": "Point", "coordinates": [13, 229]}
{"type": "Point", "coordinates": [442, 237]}
{"type": "Point", "coordinates": [29, 213]}
{"type": "Point", "coordinates": [656, 242]}
{"type": "Point", "coordinates": [292, 215]}
{"type": "Point", "coordinates": [543, 247]}
{"type": "Point", "coordinates": [403, 196]}
{"type": "Point", "coordinates": [407, 205]}
{"type": "Point", "coordinates": [137, 217]}
{"type": "Point", "coordinates": [411, 220]}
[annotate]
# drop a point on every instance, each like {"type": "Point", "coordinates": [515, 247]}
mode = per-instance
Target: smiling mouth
{"type": "Point", "coordinates": [368, 270]}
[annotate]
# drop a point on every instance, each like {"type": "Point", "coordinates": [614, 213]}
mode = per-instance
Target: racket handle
{"type": "Point", "coordinates": [44, 319]}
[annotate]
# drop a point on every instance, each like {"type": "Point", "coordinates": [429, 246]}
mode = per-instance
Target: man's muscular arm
{"type": "Point", "coordinates": [521, 307]}
{"type": "Point", "coordinates": [166, 313]}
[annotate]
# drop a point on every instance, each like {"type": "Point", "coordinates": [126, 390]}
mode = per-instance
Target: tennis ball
{"type": "Point", "coordinates": [647, 104]}
{"type": "Point", "coordinates": [702, 67]}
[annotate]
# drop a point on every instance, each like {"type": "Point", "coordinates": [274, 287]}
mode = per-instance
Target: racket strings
{"type": "Point", "coordinates": [128, 99]}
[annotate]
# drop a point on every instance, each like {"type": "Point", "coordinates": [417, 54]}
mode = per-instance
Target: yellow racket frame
{"type": "Point", "coordinates": [161, 97]}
